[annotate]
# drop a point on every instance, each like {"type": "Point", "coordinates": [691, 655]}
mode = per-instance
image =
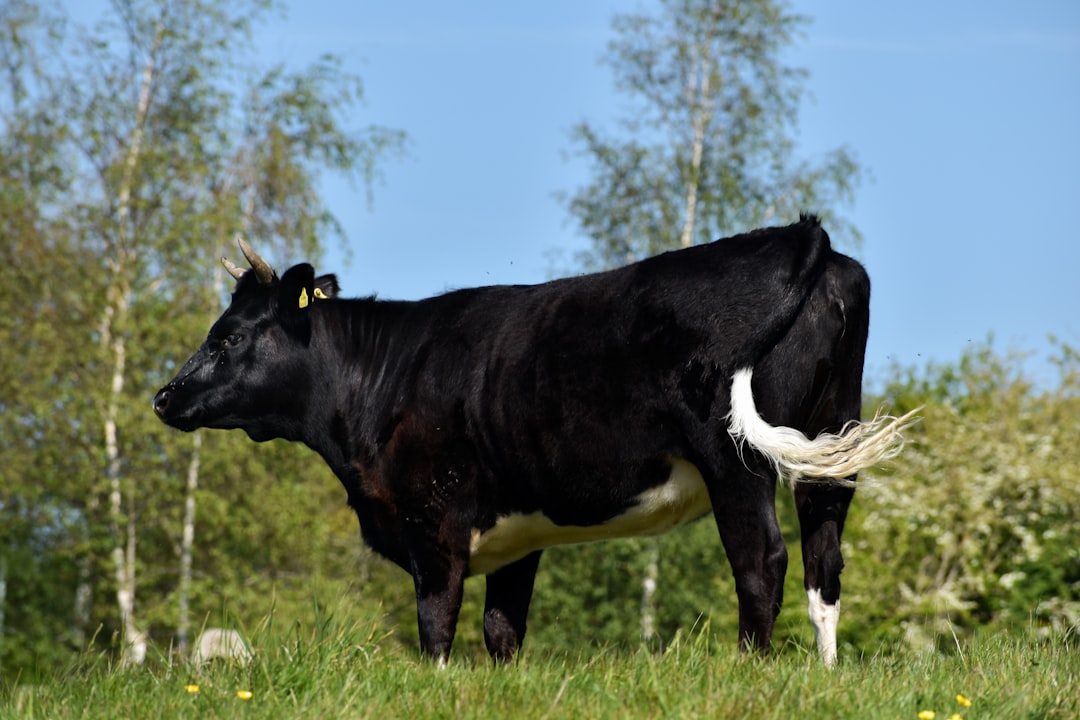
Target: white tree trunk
{"type": "Point", "coordinates": [113, 327]}
{"type": "Point", "coordinates": [648, 591]}
{"type": "Point", "coordinates": [83, 595]}
{"type": "Point", "coordinates": [121, 524]}
{"type": "Point", "coordinates": [3, 596]}
{"type": "Point", "coordinates": [187, 543]}
{"type": "Point", "coordinates": [699, 104]}
{"type": "Point", "coordinates": [187, 538]}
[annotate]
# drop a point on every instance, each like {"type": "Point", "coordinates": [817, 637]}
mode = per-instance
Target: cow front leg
{"type": "Point", "coordinates": [822, 510]}
{"type": "Point", "coordinates": [506, 606]}
{"type": "Point", "coordinates": [439, 580]}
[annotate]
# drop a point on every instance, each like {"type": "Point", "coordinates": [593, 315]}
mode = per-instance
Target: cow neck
{"type": "Point", "coordinates": [358, 348]}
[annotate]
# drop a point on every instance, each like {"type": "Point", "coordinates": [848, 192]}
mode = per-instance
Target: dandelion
{"type": "Point", "coordinates": [956, 716]}
{"type": "Point", "coordinates": [193, 689]}
{"type": "Point", "coordinates": [927, 715]}
{"type": "Point", "coordinates": [244, 694]}
{"type": "Point", "coordinates": [963, 701]}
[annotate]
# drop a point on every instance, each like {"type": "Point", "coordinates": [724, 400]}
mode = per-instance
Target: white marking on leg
{"type": "Point", "coordinates": [825, 618]}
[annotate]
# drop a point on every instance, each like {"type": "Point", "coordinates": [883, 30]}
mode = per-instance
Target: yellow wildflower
{"type": "Point", "coordinates": [963, 701]}
{"type": "Point", "coordinates": [244, 694]}
{"type": "Point", "coordinates": [927, 715]}
{"type": "Point", "coordinates": [192, 688]}
{"type": "Point", "coordinates": [956, 716]}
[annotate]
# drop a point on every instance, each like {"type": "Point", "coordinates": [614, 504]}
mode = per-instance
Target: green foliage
{"type": "Point", "coordinates": [706, 147]}
{"type": "Point", "coordinates": [975, 527]}
{"type": "Point", "coordinates": [591, 595]}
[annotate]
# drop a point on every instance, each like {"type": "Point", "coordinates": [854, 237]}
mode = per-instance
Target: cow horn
{"type": "Point", "coordinates": [262, 269]}
{"type": "Point", "coordinates": [233, 270]}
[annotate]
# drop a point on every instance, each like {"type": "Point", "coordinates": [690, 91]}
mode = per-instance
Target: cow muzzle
{"type": "Point", "coordinates": [174, 410]}
{"type": "Point", "coordinates": [162, 400]}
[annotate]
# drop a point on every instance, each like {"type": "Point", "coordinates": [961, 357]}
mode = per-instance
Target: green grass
{"type": "Point", "coordinates": [359, 672]}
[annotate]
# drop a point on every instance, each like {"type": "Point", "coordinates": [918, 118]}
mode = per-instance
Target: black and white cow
{"type": "Point", "coordinates": [474, 429]}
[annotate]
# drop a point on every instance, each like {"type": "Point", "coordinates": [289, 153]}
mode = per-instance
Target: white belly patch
{"type": "Point", "coordinates": [678, 501]}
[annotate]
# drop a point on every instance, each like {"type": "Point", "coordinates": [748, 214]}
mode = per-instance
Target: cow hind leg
{"type": "Point", "coordinates": [822, 510]}
{"type": "Point", "coordinates": [744, 508]}
{"type": "Point", "coordinates": [812, 381]}
{"type": "Point", "coordinates": [506, 606]}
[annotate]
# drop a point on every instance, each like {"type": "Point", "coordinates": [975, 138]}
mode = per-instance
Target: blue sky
{"type": "Point", "coordinates": [965, 114]}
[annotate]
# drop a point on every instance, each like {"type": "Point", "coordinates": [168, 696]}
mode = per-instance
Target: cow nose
{"type": "Point", "coordinates": [161, 401]}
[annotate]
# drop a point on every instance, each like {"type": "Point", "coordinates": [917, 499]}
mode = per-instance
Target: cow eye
{"type": "Point", "coordinates": [233, 340]}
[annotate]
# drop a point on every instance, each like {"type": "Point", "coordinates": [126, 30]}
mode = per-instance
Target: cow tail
{"type": "Point", "coordinates": [829, 457]}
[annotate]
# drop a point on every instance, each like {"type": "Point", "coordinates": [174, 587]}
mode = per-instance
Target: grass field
{"type": "Point", "coordinates": [358, 672]}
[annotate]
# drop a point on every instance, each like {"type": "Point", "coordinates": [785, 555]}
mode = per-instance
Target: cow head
{"type": "Point", "coordinates": [253, 370]}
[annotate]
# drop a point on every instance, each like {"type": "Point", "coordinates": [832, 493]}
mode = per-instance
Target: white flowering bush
{"type": "Point", "coordinates": [979, 521]}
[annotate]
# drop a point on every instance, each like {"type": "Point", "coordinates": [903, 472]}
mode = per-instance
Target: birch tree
{"type": "Point", "coordinates": [158, 142]}
{"type": "Point", "coordinates": [707, 145]}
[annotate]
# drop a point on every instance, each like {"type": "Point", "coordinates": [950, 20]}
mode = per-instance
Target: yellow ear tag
{"type": "Point", "coordinates": [320, 295]}
{"type": "Point", "coordinates": [303, 298]}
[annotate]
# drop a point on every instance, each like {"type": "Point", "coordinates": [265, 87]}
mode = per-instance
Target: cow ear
{"type": "Point", "coordinates": [326, 287]}
{"type": "Point", "coordinates": [295, 295]}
